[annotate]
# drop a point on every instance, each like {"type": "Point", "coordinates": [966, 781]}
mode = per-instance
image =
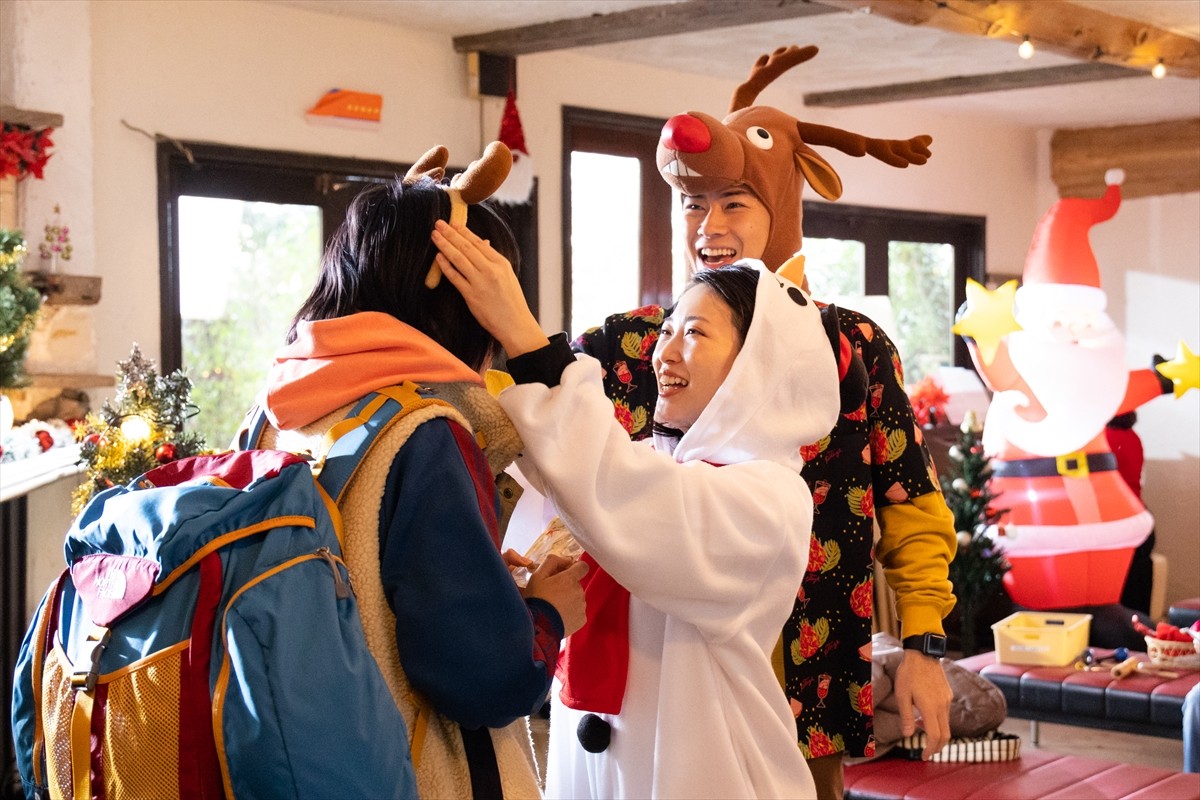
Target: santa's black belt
{"type": "Point", "coordinates": [1072, 465]}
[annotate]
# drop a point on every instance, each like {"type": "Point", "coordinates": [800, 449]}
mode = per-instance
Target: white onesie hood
{"type": "Point", "coordinates": [782, 390]}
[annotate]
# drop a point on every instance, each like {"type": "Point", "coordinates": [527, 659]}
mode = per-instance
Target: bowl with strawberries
{"type": "Point", "coordinates": [1171, 646]}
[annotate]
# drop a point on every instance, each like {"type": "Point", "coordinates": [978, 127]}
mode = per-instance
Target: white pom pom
{"type": "Point", "coordinates": [1114, 177]}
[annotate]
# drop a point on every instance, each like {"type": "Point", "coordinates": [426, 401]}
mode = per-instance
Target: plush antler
{"type": "Point", "coordinates": [474, 185]}
{"type": "Point", "coordinates": [483, 177]}
{"type": "Point", "coordinates": [896, 152]}
{"type": "Point", "coordinates": [432, 165]}
{"type": "Point", "coordinates": [767, 69]}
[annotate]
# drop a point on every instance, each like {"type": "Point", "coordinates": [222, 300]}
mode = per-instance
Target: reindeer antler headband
{"type": "Point", "coordinates": [477, 183]}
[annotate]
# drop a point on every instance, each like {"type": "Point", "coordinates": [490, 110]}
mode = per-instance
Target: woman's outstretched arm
{"type": "Point", "coordinates": [487, 282]}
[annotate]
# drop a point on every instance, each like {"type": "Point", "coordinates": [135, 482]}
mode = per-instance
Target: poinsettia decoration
{"type": "Point", "coordinates": [24, 151]}
{"type": "Point", "coordinates": [929, 401]}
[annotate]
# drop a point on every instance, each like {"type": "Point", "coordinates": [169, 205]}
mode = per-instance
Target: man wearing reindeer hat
{"type": "Point", "coordinates": [741, 180]}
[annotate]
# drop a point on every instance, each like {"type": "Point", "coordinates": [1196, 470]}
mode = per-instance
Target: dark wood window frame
{"type": "Point", "coordinates": [329, 182]}
{"type": "Point", "coordinates": [632, 136]}
{"type": "Point", "coordinates": [875, 227]}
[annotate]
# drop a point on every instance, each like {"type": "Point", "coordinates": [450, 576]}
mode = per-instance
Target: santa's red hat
{"type": "Point", "coordinates": [1060, 252]}
{"type": "Point", "coordinates": [518, 187]}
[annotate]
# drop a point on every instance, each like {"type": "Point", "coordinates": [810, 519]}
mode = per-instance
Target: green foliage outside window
{"type": "Point", "coordinates": [834, 267]}
{"type": "Point", "coordinates": [227, 357]}
{"type": "Point", "coordinates": [919, 284]}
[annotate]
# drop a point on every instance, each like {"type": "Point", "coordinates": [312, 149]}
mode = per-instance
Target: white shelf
{"type": "Point", "coordinates": [18, 478]}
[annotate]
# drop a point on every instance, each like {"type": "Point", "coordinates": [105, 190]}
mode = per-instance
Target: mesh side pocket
{"type": "Point", "coordinates": [141, 730]}
{"type": "Point", "coordinates": [58, 701]}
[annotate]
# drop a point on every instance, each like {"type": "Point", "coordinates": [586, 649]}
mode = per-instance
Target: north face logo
{"type": "Point", "coordinates": [112, 585]}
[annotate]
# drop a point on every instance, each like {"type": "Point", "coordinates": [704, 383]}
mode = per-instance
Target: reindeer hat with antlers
{"type": "Point", "coordinates": [768, 151]}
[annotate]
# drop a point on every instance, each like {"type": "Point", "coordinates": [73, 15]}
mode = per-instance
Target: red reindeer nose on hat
{"type": "Point", "coordinates": [686, 134]}
{"type": "Point", "coordinates": [1060, 251]}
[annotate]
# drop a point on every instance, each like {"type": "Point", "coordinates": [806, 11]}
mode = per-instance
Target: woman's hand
{"type": "Point", "coordinates": [487, 282]}
{"type": "Point", "coordinates": [557, 582]}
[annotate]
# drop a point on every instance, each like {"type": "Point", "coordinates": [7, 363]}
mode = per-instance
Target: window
{"type": "Point", "coordinates": [919, 261]}
{"type": "Point", "coordinates": [616, 217]}
{"type": "Point", "coordinates": [241, 237]}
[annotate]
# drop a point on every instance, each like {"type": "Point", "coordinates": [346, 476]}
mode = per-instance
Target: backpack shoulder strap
{"type": "Point", "coordinates": [251, 430]}
{"type": "Point", "coordinates": [346, 443]}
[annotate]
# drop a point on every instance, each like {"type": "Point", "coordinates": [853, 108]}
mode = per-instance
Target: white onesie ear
{"type": "Point", "coordinates": [818, 173]}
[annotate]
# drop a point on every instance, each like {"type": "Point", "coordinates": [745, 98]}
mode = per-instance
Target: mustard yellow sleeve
{"type": "Point", "coordinates": [917, 542]}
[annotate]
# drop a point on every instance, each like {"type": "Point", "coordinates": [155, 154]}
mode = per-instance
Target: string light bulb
{"type": "Point", "coordinates": [135, 428]}
{"type": "Point", "coordinates": [1025, 50]}
{"type": "Point", "coordinates": [1160, 69]}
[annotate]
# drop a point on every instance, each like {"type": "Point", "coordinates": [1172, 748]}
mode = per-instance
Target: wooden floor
{"type": "Point", "coordinates": [1150, 751]}
{"type": "Point", "coordinates": [1129, 748]}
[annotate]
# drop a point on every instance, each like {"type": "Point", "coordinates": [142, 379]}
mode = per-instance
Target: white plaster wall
{"type": "Point", "coordinates": [1149, 255]}
{"type": "Point", "coordinates": [243, 74]}
{"type": "Point", "coordinates": [45, 60]}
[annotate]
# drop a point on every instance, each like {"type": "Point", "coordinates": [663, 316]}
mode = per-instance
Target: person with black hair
{"type": "Point", "coordinates": [467, 655]}
{"type": "Point", "coordinates": [699, 542]}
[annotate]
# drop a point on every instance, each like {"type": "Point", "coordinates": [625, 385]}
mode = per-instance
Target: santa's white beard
{"type": "Point", "coordinates": [1080, 387]}
{"type": "Point", "coordinates": [518, 186]}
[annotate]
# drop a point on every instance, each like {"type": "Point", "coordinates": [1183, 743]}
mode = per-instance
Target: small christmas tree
{"type": "Point", "coordinates": [139, 429]}
{"type": "Point", "coordinates": [979, 565]}
{"type": "Point", "coordinates": [19, 304]}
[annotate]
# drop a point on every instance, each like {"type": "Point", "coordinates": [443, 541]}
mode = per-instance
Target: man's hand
{"type": "Point", "coordinates": [921, 683]}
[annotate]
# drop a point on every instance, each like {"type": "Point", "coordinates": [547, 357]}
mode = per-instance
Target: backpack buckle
{"type": "Point", "coordinates": [90, 652]}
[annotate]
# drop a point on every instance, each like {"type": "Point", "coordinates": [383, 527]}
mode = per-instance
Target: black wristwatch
{"type": "Point", "coordinates": [931, 644]}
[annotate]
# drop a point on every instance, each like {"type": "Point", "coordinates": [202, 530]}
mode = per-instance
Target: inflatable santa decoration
{"type": "Point", "coordinates": [1056, 364]}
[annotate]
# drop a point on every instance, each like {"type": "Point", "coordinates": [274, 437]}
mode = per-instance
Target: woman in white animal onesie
{"type": "Point", "coordinates": [702, 540]}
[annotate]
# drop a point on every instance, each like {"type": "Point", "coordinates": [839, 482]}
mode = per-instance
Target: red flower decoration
{"type": "Point", "coordinates": [24, 152]}
{"type": "Point", "coordinates": [928, 401]}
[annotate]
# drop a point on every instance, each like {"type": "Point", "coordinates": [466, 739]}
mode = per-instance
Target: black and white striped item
{"type": "Point", "coordinates": [992, 746]}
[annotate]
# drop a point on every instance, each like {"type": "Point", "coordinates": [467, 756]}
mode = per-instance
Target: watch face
{"type": "Point", "coordinates": [934, 645]}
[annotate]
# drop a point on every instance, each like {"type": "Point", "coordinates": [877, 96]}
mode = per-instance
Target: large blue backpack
{"type": "Point", "coordinates": [205, 641]}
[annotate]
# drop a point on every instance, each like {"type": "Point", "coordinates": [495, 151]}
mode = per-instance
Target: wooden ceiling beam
{"type": "Point", "coordinates": [1158, 158]}
{"type": "Point", "coordinates": [971, 84]}
{"type": "Point", "coordinates": [666, 19]}
{"type": "Point", "coordinates": [1056, 26]}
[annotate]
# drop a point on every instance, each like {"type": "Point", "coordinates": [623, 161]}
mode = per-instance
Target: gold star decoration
{"type": "Point", "coordinates": [1183, 370]}
{"type": "Point", "coordinates": [989, 316]}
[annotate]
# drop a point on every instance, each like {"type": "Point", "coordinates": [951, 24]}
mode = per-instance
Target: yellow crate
{"type": "Point", "coordinates": [1042, 638]}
